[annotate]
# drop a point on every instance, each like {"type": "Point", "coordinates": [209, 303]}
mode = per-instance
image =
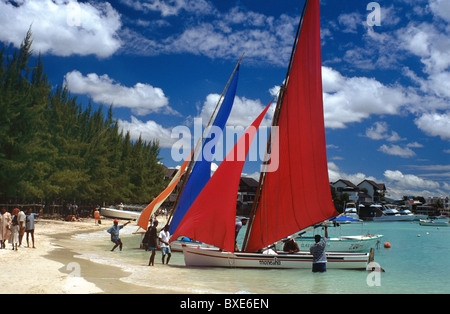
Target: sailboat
{"type": "Point", "coordinates": [294, 196]}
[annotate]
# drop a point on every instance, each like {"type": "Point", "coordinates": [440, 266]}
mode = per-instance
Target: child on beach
{"type": "Point", "coordinates": [97, 217]}
{"type": "Point", "coordinates": [14, 238]}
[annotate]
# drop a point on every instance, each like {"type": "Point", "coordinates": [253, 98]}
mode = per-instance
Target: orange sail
{"type": "Point", "coordinates": [297, 195]}
{"type": "Point", "coordinates": [156, 203]}
{"type": "Point", "coordinates": [211, 218]}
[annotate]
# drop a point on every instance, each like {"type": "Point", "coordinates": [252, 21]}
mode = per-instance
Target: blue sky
{"type": "Point", "coordinates": [162, 63]}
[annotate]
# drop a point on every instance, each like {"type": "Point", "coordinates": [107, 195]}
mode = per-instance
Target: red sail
{"type": "Point", "coordinates": [211, 218]}
{"type": "Point", "coordinates": [297, 195]}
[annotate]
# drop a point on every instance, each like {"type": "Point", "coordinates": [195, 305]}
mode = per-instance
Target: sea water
{"type": "Point", "coordinates": [417, 262]}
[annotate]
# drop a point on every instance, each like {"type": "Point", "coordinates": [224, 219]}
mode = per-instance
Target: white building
{"type": "Point", "coordinates": [375, 190]}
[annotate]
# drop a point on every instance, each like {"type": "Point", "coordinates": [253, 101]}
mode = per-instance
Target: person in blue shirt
{"type": "Point", "coordinates": [114, 231]}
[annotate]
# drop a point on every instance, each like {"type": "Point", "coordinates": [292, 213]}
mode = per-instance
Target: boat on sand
{"type": "Point", "coordinates": [120, 213]}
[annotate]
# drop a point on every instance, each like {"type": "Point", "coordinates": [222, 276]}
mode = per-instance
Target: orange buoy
{"type": "Point", "coordinates": [387, 245]}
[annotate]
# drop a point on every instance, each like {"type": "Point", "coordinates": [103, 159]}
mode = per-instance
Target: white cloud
{"type": "Point", "coordinates": [208, 40]}
{"type": "Point", "coordinates": [350, 22]}
{"type": "Point", "coordinates": [396, 150]}
{"type": "Point", "coordinates": [150, 130]}
{"type": "Point", "coordinates": [389, 15]}
{"type": "Point", "coordinates": [439, 84]}
{"type": "Point", "coordinates": [334, 174]}
{"type": "Point", "coordinates": [171, 7]}
{"type": "Point", "coordinates": [428, 98]}
{"type": "Point", "coordinates": [62, 27]}
{"type": "Point", "coordinates": [414, 145]}
{"type": "Point", "coordinates": [380, 130]}
{"type": "Point", "coordinates": [141, 98]}
{"type": "Point", "coordinates": [225, 35]}
{"type": "Point", "coordinates": [243, 113]}
{"type": "Point", "coordinates": [435, 124]}
{"type": "Point", "coordinates": [410, 181]}
{"type": "Point", "coordinates": [441, 8]}
{"type": "Point", "coordinates": [397, 183]}
{"type": "Point", "coordinates": [352, 99]}
{"type": "Point", "coordinates": [440, 168]}
{"type": "Point", "coordinates": [429, 43]}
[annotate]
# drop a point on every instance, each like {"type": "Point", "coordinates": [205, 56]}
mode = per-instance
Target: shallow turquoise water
{"type": "Point", "coordinates": [413, 264]}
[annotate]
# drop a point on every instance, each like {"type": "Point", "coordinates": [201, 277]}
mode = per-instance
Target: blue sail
{"type": "Point", "coordinates": [201, 172]}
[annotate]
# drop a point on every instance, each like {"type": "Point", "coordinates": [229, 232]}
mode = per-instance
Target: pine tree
{"type": "Point", "coordinates": [54, 150]}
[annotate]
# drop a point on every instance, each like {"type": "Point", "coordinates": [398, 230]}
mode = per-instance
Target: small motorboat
{"type": "Point", "coordinates": [120, 213]}
{"type": "Point", "coordinates": [434, 222]}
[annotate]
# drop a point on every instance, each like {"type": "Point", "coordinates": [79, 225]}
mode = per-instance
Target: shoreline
{"type": "Point", "coordinates": [53, 268]}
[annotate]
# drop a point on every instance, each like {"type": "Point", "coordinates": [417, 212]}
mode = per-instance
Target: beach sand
{"type": "Point", "coordinates": [53, 269]}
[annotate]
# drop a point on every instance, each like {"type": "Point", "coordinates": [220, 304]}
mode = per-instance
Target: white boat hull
{"type": "Point", "coordinates": [177, 245]}
{"type": "Point", "coordinates": [120, 214]}
{"type": "Point", "coordinates": [350, 244]}
{"type": "Point", "coordinates": [434, 223]}
{"type": "Point", "coordinates": [200, 257]}
{"type": "Point", "coordinates": [395, 218]}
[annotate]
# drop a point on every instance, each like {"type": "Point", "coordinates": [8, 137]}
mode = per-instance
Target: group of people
{"type": "Point", "coordinates": [150, 240]}
{"type": "Point", "coordinates": [14, 225]}
{"type": "Point", "coordinates": [150, 243]}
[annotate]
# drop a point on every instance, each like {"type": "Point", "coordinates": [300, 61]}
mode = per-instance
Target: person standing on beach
{"type": "Point", "coordinates": [164, 237]}
{"type": "Point", "coordinates": [14, 238]}
{"type": "Point", "coordinates": [22, 218]}
{"type": "Point", "coordinates": [318, 252]}
{"type": "Point", "coordinates": [29, 225]}
{"type": "Point", "coordinates": [150, 238]}
{"type": "Point", "coordinates": [114, 231]}
{"type": "Point", "coordinates": [238, 227]}
{"type": "Point", "coordinates": [96, 216]}
{"type": "Point", "coordinates": [4, 227]}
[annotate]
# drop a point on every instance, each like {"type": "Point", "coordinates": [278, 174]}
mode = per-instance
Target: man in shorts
{"type": "Point", "coordinates": [114, 231]}
{"type": "Point", "coordinates": [29, 224]}
{"type": "Point", "coordinates": [164, 237]}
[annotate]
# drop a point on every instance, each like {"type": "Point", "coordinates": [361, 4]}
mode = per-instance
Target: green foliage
{"type": "Point", "coordinates": [52, 149]}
